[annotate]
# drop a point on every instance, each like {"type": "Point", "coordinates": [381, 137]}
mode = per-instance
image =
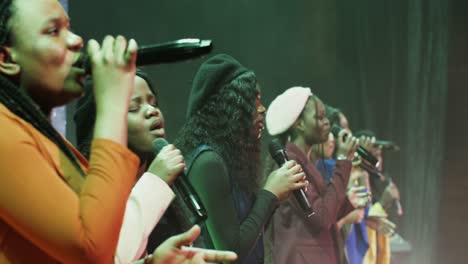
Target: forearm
{"type": "Point", "coordinates": [148, 200]}
{"type": "Point", "coordinates": [80, 226]}
{"type": "Point", "coordinates": [111, 123]}
{"type": "Point", "coordinates": [251, 228]}
{"type": "Point", "coordinates": [328, 204]}
{"type": "Point", "coordinates": [104, 195]}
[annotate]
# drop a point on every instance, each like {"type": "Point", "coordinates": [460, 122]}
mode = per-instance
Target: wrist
{"type": "Point", "coordinates": [342, 157]}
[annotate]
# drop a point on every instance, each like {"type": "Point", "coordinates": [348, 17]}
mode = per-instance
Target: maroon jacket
{"type": "Point", "coordinates": [296, 239]}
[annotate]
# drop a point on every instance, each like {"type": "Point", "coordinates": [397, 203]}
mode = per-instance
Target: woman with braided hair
{"type": "Point", "coordinates": [54, 206]}
{"type": "Point", "coordinates": [151, 194]}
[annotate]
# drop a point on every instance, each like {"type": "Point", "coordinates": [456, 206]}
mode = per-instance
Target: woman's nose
{"type": "Point", "coordinates": [74, 42]}
{"type": "Point", "coordinates": [261, 108]}
{"type": "Point", "coordinates": [151, 110]}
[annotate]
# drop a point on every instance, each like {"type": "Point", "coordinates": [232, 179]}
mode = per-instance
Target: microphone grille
{"type": "Point", "coordinates": [158, 144]}
{"type": "Point", "coordinates": [335, 130]}
{"type": "Point", "coordinates": [274, 147]}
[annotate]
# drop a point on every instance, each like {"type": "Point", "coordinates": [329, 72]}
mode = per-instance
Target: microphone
{"type": "Point", "coordinates": [280, 156]}
{"type": "Point", "coordinates": [184, 191]}
{"type": "Point", "coordinates": [399, 208]}
{"type": "Point", "coordinates": [368, 161]}
{"type": "Point", "coordinates": [385, 144]}
{"type": "Point", "coordinates": [167, 52]}
{"type": "Point", "coordinates": [397, 203]}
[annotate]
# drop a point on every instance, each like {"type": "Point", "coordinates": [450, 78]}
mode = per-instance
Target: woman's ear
{"type": "Point", "coordinates": [8, 66]}
{"type": "Point", "coordinates": [299, 125]}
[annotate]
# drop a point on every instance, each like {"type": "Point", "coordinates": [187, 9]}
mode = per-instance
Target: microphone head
{"type": "Point", "coordinates": [158, 144]}
{"type": "Point", "coordinates": [390, 145]}
{"type": "Point", "coordinates": [277, 152]}
{"type": "Point", "coordinates": [173, 51]}
{"type": "Point", "coordinates": [275, 147]}
{"type": "Point", "coordinates": [167, 52]}
{"type": "Point", "coordinates": [336, 130]}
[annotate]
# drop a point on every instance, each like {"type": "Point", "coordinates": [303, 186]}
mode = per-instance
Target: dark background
{"type": "Point", "coordinates": [396, 67]}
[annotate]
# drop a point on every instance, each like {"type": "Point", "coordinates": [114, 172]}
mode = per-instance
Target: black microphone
{"type": "Point", "coordinates": [184, 190]}
{"type": "Point", "coordinates": [280, 156]}
{"type": "Point", "coordinates": [368, 161]}
{"type": "Point", "coordinates": [167, 52]}
{"type": "Point", "coordinates": [385, 144]}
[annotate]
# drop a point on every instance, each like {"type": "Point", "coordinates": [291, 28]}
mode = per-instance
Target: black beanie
{"type": "Point", "coordinates": [213, 74]}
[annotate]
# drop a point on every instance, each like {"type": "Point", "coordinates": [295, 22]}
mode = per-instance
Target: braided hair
{"type": "Point", "coordinates": [19, 102]}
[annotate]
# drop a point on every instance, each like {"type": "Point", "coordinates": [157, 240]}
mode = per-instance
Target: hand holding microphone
{"type": "Point", "coordinates": [346, 144]}
{"type": "Point", "coordinates": [368, 161]}
{"type": "Point", "coordinates": [186, 197]}
{"type": "Point", "coordinates": [289, 177]}
{"type": "Point", "coordinates": [168, 164]}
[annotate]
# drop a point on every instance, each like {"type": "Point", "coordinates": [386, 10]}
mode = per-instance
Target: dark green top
{"type": "Point", "coordinates": [210, 178]}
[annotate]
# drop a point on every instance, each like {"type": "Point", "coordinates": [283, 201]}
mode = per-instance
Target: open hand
{"type": "Point", "coordinates": [175, 251]}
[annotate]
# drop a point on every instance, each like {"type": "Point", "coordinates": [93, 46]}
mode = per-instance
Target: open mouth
{"type": "Point", "coordinates": [156, 124]}
{"type": "Point", "coordinates": [261, 125]}
{"type": "Point", "coordinates": [157, 128]}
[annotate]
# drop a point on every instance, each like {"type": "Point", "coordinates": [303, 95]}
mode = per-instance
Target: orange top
{"type": "Point", "coordinates": [48, 212]}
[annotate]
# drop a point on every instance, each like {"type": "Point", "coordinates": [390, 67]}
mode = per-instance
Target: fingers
{"type": "Point", "coordinates": [113, 49]}
{"type": "Point", "coordinates": [171, 153]}
{"type": "Point", "coordinates": [300, 185]}
{"type": "Point", "coordinates": [289, 164]}
{"type": "Point", "coordinates": [298, 177]}
{"type": "Point", "coordinates": [388, 223]}
{"type": "Point", "coordinates": [167, 148]}
{"type": "Point", "coordinates": [198, 258]}
{"type": "Point", "coordinates": [357, 189]}
{"type": "Point", "coordinates": [354, 143]}
{"type": "Point", "coordinates": [120, 44]}
{"type": "Point", "coordinates": [367, 142]}
{"type": "Point", "coordinates": [108, 48]}
{"type": "Point", "coordinates": [296, 169]}
{"type": "Point", "coordinates": [291, 167]}
{"type": "Point", "coordinates": [132, 50]}
{"type": "Point", "coordinates": [344, 135]}
{"type": "Point", "coordinates": [211, 255]}
{"type": "Point", "coordinates": [362, 195]}
{"type": "Point", "coordinates": [187, 237]}
{"type": "Point", "coordinates": [92, 48]}
{"type": "Point", "coordinates": [175, 159]}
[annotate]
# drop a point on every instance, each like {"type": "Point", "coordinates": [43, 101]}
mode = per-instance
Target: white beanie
{"type": "Point", "coordinates": [285, 109]}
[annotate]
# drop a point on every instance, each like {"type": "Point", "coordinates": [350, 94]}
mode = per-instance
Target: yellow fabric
{"type": "Point", "coordinates": [379, 245]}
{"type": "Point", "coordinates": [48, 212]}
{"type": "Point", "coordinates": [379, 248]}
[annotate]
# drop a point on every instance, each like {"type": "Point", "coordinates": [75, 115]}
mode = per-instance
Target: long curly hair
{"type": "Point", "coordinates": [224, 123]}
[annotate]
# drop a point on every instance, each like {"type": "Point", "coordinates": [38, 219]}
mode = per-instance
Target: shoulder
{"type": "Point", "coordinates": [209, 166]}
{"type": "Point", "coordinates": [14, 129]}
{"type": "Point", "coordinates": [209, 159]}
{"type": "Point", "coordinates": [294, 153]}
